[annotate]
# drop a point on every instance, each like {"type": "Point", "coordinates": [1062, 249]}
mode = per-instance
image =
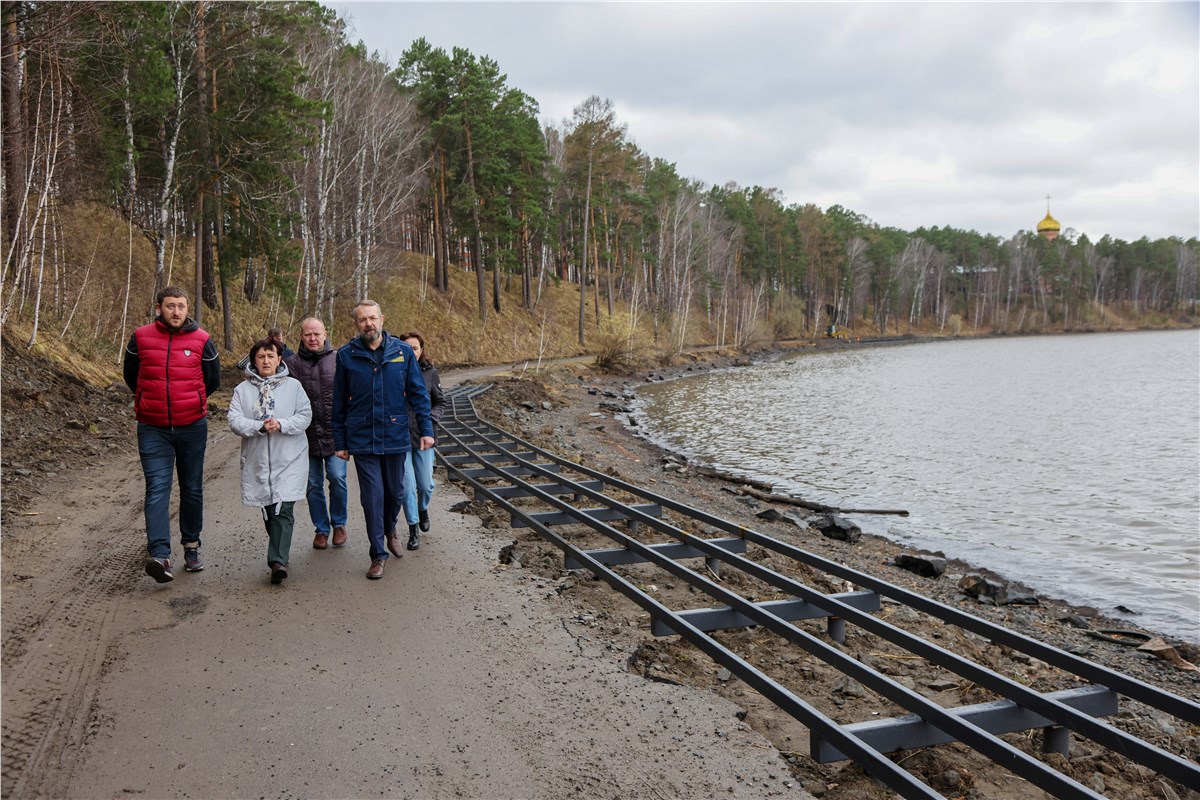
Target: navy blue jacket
{"type": "Point", "coordinates": [373, 391]}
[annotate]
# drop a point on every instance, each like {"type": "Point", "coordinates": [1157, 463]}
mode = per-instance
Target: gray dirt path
{"type": "Point", "coordinates": [449, 678]}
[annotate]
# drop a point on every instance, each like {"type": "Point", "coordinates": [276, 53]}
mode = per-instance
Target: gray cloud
{"type": "Point", "coordinates": [962, 115]}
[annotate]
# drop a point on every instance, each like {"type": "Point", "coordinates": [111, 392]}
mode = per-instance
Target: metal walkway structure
{"type": "Point", "coordinates": [500, 467]}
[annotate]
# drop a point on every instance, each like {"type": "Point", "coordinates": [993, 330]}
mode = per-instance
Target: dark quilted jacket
{"type": "Point", "coordinates": [437, 403]}
{"type": "Point", "coordinates": [315, 373]}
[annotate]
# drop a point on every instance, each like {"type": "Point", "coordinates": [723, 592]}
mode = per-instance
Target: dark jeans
{"type": "Point", "coordinates": [163, 450]}
{"type": "Point", "coordinates": [381, 491]}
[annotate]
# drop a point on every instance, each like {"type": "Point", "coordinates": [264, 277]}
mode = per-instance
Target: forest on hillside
{"type": "Point", "coordinates": [262, 154]}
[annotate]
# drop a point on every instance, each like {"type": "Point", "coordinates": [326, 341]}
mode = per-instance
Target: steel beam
{"type": "Point", "coordinates": [999, 716]}
{"type": "Point", "coordinates": [606, 514]}
{"type": "Point", "coordinates": [621, 555]}
{"type": "Point", "coordinates": [724, 617]}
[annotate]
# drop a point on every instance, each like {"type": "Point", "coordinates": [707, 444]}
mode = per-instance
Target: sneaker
{"type": "Point", "coordinates": [191, 559]}
{"type": "Point", "coordinates": [159, 569]}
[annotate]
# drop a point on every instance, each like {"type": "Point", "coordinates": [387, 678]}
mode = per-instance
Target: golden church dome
{"type": "Point", "coordinates": [1048, 228]}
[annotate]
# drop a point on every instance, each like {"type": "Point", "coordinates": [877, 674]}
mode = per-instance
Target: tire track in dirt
{"type": "Point", "coordinates": [56, 632]}
{"type": "Point", "coordinates": [61, 631]}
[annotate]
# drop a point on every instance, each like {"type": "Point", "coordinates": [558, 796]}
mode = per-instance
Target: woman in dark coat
{"type": "Point", "coordinates": [418, 469]}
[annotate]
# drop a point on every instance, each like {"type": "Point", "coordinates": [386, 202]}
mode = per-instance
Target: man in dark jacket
{"type": "Point", "coordinates": [376, 382]}
{"type": "Point", "coordinates": [172, 366]}
{"type": "Point", "coordinates": [314, 367]}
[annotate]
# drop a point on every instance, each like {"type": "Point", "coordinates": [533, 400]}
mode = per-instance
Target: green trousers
{"type": "Point", "coordinates": [279, 532]}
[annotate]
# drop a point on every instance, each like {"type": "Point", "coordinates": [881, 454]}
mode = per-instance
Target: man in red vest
{"type": "Point", "coordinates": [172, 366]}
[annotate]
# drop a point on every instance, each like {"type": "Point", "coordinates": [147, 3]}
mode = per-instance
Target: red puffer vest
{"type": "Point", "coordinates": [170, 376]}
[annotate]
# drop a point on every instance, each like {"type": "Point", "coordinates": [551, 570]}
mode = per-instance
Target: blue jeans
{"type": "Point", "coordinates": [163, 450]}
{"type": "Point", "coordinates": [381, 491]}
{"type": "Point", "coordinates": [418, 483]}
{"type": "Point", "coordinates": [325, 518]}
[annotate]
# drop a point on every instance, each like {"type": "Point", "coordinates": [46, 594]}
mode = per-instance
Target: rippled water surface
{"type": "Point", "coordinates": [1071, 463]}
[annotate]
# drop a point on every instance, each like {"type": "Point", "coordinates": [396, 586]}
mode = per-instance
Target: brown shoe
{"type": "Point", "coordinates": [376, 570]}
{"type": "Point", "coordinates": [339, 536]}
{"type": "Point", "coordinates": [393, 545]}
{"type": "Point", "coordinates": [320, 541]}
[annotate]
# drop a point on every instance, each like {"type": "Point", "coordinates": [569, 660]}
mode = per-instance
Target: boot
{"type": "Point", "coordinates": [414, 538]}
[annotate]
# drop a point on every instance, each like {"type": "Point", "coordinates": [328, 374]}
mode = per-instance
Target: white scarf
{"type": "Point", "coordinates": [264, 408]}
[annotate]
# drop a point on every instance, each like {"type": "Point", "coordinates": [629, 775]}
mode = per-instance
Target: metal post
{"type": "Point", "coordinates": [837, 629]}
{"type": "Point", "coordinates": [1056, 739]}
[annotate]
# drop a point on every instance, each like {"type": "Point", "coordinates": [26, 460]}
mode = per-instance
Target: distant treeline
{"type": "Point", "coordinates": [255, 138]}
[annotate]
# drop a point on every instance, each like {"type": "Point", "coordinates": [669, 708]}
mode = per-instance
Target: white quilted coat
{"type": "Point", "coordinates": [274, 465]}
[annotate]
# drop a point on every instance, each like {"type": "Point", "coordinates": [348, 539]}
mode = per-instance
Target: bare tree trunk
{"type": "Point", "coordinates": [16, 166]}
{"type": "Point", "coordinates": [226, 316]}
{"type": "Point", "coordinates": [443, 242]}
{"type": "Point", "coordinates": [480, 284]}
{"type": "Point", "coordinates": [201, 125]}
{"type": "Point", "coordinates": [170, 153]}
{"type": "Point", "coordinates": [496, 275]}
{"type": "Point", "coordinates": [587, 215]}
{"type": "Point", "coordinates": [596, 270]}
{"type": "Point", "coordinates": [51, 161]}
{"type": "Point", "coordinates": [131, 189]}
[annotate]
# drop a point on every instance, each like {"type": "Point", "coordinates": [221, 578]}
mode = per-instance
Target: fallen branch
{"type": "Point", "coordinates": [725, 476]}
{"type": "Point", "coordinates": [824, 509]}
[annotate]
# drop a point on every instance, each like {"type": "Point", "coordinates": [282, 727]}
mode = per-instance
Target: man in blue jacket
{"type": "Point", "coordinates": [376, 381]}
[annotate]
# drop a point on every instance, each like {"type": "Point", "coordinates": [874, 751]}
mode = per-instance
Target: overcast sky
{"type": "Point", "coordinates": [913, 114]}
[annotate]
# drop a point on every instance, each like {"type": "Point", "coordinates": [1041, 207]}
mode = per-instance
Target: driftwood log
{"type": "Point", "coordinates": [762, 491]}
{"type": "Point", "coordinates": [824, 509]}
{"type": "Point", "coordinates": [725, 476]}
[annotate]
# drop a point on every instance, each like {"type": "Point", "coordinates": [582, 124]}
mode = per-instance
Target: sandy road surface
{"type": "Point", "coordinates": [448, 678]}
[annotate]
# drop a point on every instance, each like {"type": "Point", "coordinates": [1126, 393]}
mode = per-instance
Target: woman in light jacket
{"type": "Point", "coordinates": [270, 411]}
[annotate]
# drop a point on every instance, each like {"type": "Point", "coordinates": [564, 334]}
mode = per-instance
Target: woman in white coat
{"type": "Point", "coordinates": [270, 411]}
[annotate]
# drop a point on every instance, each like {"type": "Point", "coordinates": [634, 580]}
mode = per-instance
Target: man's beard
{"type": "Point", "coordinates": [369, 336]}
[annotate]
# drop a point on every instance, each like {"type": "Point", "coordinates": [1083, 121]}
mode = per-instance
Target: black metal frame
{"type": "Point", "coordinates": [508, 456]}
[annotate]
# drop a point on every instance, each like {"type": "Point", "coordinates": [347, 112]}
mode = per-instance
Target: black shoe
{"type": "Point", "coordinates": [159, 569]}
{"type": "Point", "coordinates": [424, 515]}
{"type": "Point", "coordinates": [278, 572]}
{"type": "Point", "coordinates": [414, 538]}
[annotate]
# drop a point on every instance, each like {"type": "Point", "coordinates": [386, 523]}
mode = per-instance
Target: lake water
{"type": "Point", "coordinates": [1069, 463]}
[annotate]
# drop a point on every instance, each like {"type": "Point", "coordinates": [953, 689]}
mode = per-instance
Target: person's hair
{"type": "Point", "coordinates": [170, 291]}
{"type": "Point", "coordinates": [423, 361]}
{"type": "Point", "coordinates": [263, 344]}
{"type": "Point", "coordinates": [364, 302]}
{"type": "Point", "coordinates": [300, 327]}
